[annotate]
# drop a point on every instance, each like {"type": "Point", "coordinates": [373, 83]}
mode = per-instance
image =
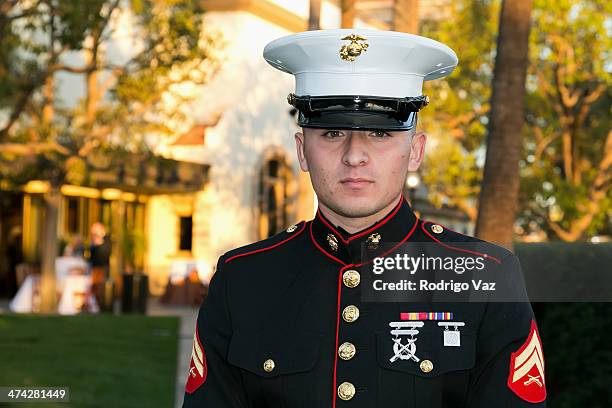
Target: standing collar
{"type": "Point", "coordinates": [362, 246]}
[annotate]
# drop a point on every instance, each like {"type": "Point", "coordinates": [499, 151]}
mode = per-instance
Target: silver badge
{"type": "Point", "coordinates": [407, 350]}
{"type": "Point", "coordinates": [452, 338]}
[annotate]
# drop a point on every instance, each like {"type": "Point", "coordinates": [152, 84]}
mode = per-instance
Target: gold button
{"type": "Point", "coordinates": [268, 365]}
{"type": "Point", "coordinates": [351, 278]}
{"type": "Point", "coordinates": [292, 228]}
{"type": "Point", "coordinates": [426, 366]}
{"type": "Point", "coordinates": [346, 351]}
{"type": "Point", "coordinates": [346, 391]}
{"type": "Point", "coordinates": [437, 229]}
{"type": "Point", "coordinates": [350, 313]}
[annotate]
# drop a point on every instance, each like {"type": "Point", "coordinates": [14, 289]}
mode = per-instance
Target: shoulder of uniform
{"type": "Point", "coordinates": [265, 246]}
{"type": "Point", "coordinates": [441, 232]}
{"type": "Point", "coordinates": [456, 240]}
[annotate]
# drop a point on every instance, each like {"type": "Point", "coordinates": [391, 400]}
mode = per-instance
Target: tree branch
{"type": "Point", "coordinates": [74, 70]}
{"type": "Point", "coordinates": [21, 103]}
{"type": "Point", "coordinates": [463, 205]}
{"type": "Point", "coordinates": [597, 192]}
{"type": "Point", "coordinates": [587, 101]}
{"type": "Point", "coordinates": [542, 142]}
{"type": "Point", "coordinates": [24, 149]}
{"type": "Point", "coordinates": [112, 77]}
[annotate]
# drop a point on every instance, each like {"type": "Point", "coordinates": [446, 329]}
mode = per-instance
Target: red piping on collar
{"type": "Point", "coordinates": [302, 228]}
{"type": "Point", "coordinates": [322, 250]}
{"type": "Point", "coordinates": [412, 229]}
{"type": "Point", "coordinates": [362, 233]}
{"type": "Point", "coordinates": [486, 256]}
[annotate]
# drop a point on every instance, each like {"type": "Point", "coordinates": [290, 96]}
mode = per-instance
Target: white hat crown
{"type": "Point", "coordinates": [360, 62]}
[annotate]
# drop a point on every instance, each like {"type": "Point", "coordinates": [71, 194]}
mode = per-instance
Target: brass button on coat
{"type": "Point", "coordinates": [346, 391]}
{"type": "Point", "coordinates": [268, 365]}
{"type": "Point", "coordinates": [346, 351]}
{"type": "Point", "coordinates": [437, 229]}
{"type": "Point", "coordinates": [351, 278]}
{"type": "Point", "coordinates": [426, 366]}
{"type": "Point", "coordinates": [350, 313]}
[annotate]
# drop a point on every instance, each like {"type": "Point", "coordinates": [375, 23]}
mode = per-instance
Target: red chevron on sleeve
{"type": "Point", "coordinates": [197, 366]}
{"type": "Point", "coordinates": [526, 378]}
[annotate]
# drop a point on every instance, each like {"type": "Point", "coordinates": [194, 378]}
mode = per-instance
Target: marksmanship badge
{"type": "Point", "coordinates": [404, 351]}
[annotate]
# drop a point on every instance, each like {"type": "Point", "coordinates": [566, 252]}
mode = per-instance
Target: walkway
{"type": "Point", "coordinates": [188, 316]}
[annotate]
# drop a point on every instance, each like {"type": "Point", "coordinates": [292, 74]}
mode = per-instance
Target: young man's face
{"type": "Point", "coordinates": [357, 173]}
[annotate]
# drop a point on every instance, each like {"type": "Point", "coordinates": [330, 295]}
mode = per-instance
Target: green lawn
{"type": "Point", "coordinates": [107, 361]}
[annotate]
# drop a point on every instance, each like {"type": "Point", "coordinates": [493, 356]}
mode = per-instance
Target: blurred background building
{"type": "Point", "coordinates": [231, 177]}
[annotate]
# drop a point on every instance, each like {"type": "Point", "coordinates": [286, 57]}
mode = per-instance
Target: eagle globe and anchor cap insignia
{"type": "Point", "coordinates": [357, 45]}
{"type": "Point", "coordinates": [526, 378]}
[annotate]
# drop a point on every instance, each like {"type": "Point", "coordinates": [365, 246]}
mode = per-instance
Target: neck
{"type": "Point", "coordinates": [356, 224]}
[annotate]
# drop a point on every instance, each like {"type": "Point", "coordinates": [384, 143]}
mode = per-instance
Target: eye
{"type": "Point", "coordinates": [332, 134]}
{"type": "Point", "coordinates": [380, 134]}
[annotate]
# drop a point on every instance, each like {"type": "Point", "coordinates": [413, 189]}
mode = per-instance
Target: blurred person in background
{"type": "Point", "coordinates": [99, 258]}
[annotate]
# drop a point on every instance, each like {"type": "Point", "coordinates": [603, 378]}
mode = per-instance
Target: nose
{"type": "Point", "coordinates": [355, 152]}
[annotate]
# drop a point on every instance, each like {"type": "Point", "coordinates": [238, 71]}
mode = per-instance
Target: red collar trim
{"type": "Point", "coordinates": [330, 256]}
{"type": "Point", "coordinates": [393, 228]}
{"type": "Point", "coordinates": [362, 233]}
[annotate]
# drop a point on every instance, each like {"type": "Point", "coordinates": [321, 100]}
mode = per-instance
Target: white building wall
{"type": "Point", "coordinates": [160, 241]}
{"type": "Point", "coordinates": [251, 96]}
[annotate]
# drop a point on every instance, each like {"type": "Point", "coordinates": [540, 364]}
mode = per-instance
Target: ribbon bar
{"type": "Point", "coordinates": [426, 316]}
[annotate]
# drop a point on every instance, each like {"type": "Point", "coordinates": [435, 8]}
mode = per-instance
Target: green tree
{"type": "Point", "coordinates": [568, 157]}
{"type": "Point", "coordinates": [123, 103]}
{"type": "Point", "coordinates": [569, 46]}
{"type": "Point", "coordinates": [457, 119]}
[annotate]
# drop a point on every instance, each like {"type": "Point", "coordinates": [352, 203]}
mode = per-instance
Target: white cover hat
{"type": "Point", "coordinates": [381, 65]}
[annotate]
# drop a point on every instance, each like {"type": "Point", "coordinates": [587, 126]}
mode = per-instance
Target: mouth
{"type": "Point", "coordinates": [356, 182]}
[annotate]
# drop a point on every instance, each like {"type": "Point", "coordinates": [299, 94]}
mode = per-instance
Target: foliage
{"type": "Point", "coordinates": [126, 97]}
{"type": "Point", "coordinates": [571, 333]}
{"type": "Point", "coordinates": [565, 195]}
{"type": "Point", "coordinates": [136, 59]}
{"type": "Point", "coordinates": [568, 156]}
{"type": "Point", "coordinates": [457, 117]}
{"type": "Point", "coordinates": [133, 247]}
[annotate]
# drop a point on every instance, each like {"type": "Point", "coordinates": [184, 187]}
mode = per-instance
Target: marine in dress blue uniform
{"type": "Point", "coordinates": [285, 323]}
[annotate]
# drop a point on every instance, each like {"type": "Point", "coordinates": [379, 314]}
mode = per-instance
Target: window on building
{"type": "Point", "coordinates": [185, 234]}
{"type": "Point", "coordinates": [273, 196]}
{"type": "Point", "coordinates": [72, 215]}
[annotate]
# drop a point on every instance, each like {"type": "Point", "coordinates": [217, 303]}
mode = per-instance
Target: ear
{"type": "Point", "coordinates": [417, 151]}
{"type": "Point", "coordinates": [299, 146]}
